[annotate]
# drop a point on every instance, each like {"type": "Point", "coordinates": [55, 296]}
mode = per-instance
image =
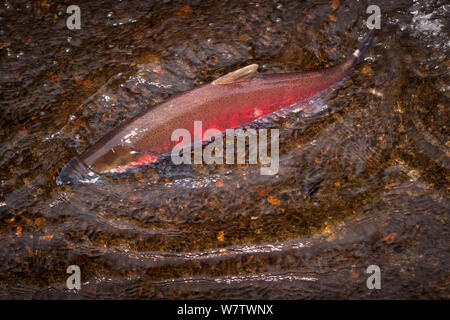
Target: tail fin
{"type": "Point", "coordinates": [363, 46]}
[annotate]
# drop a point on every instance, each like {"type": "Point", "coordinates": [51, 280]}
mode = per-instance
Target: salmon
{"type": "Point", "coordinates": [230, 101]}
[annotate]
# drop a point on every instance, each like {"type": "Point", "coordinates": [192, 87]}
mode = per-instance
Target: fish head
{"type": "Point", "coordinates": [75, 171]}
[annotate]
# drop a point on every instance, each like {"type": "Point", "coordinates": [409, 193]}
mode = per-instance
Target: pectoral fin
{"type": "Point", "coordinates": [245, 73]}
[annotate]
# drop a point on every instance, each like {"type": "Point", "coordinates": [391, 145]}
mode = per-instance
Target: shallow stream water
{"type": "Point", "coordinates": [363, 180]}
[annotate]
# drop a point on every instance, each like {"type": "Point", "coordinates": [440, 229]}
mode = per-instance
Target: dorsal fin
{"type": "Point", "coordinates": [244, 73]}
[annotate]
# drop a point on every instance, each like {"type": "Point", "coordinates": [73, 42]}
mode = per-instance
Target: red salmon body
{"type": "Point", "coordinates": [235, 99]}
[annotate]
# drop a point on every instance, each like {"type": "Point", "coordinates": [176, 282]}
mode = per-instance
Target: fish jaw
{"type": "Point", "coordinates": [75, 171]}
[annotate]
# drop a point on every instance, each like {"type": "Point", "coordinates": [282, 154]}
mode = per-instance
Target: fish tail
{"type": "Point", "coordinates": [363, 46]}
{"type": "Point", "coordinates": [75, 171]}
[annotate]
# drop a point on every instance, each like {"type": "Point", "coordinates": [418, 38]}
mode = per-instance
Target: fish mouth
{"type": "Point", "coordinates": [76, 171]}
